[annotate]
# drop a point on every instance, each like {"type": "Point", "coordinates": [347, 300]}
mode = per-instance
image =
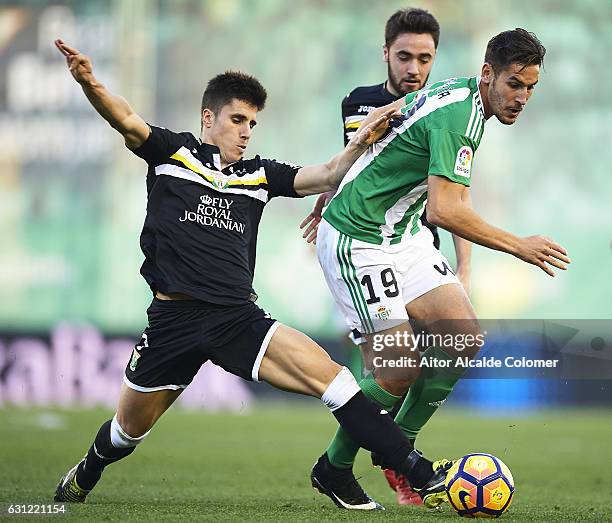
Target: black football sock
{"type": "Point", "coordinates": [417, 469]}
{"type": "Point", "coordinates": [378, 433]}
{"type": "Point", "coordinates": [100, 454]}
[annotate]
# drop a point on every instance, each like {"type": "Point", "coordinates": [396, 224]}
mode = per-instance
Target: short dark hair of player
{"type": "Point", "coordinates": [225, 87]}
{"type": "Point", "coordinates": [411, 20]}
{"type": "Point", "coordinates": [516, 46]}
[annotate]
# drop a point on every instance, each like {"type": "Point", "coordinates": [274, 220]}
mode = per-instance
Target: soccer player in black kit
{"type": "Point", "coordinates": [199, 237]}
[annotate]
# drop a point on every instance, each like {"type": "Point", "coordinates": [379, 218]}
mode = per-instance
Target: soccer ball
{"type": "Point", "coordinates": [479, 486]}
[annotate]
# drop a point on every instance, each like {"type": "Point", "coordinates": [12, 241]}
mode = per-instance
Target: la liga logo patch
{"type": "Point", "coordinates": [463, 163]}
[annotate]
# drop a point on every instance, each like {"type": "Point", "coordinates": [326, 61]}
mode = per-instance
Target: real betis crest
{"type": "Point", "coordinates": [382, 313]}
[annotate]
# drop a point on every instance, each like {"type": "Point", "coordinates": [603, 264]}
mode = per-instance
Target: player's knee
{"type": "Point", "coordinates": [315, 379]}
{"type": "Point", "coordinates": [340, 390]}
{"type": "Point", "coordinates": [124, 434]}
{"type": "Point", "coordinates": [398, 379]}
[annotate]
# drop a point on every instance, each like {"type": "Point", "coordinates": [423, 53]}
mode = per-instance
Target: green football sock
{"type": "Point", "coordinates": [342, 449]}
{"type": "Point", "coordinates": [427, 394]}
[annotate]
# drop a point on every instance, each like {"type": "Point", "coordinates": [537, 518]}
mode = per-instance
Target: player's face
{"type": "Point", "coordinates": [409, 60]}
{"type": "Point", "coordinates": [230, 130]}
{"type": "Point", "coordinates": [509, 90]}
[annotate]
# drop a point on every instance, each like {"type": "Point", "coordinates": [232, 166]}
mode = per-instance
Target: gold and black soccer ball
{"type": "Point", "coordinates": [480, 486]}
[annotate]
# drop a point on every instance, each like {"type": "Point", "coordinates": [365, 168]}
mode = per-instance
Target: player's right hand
{"type": "Point", "coordinates": [374, 126]}
{"type": "Point", "coordinates": [543, 252]}
{"type": "Point", "coordinates": [79, 64]}
{"type": "Point", "coordinates": [311, 222]}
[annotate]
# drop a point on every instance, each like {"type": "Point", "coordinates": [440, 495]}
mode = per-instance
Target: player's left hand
{"type": "Point", "coordinates": [373, 128]}
{"type": "Point", "coordinates": [543, 252]}
{"type": "Point", "coordinates": [311, 222]}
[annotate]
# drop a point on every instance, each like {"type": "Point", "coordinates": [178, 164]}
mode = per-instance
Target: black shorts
{"type": "Point", "coordinates": [182, 335]}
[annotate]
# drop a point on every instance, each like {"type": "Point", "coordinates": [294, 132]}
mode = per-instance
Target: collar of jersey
{"type": "Point", "coordinates": [206, 148]}
{"type": "Point", "coordinates": [212, 156]}
{"type": "Point", "coordinates": [479, 98]}
{"type": "Point", "coordinates": [385, 92]}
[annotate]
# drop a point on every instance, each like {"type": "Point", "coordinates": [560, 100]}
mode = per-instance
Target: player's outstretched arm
{"type": "Point", "coordinates": [113, 108]}
{"type": "Point", "coordinates": [310, 223]}
{"type": "Point", "coordinates": [446, 209]}
{"type": "Point", "coordinates": [316, 179]}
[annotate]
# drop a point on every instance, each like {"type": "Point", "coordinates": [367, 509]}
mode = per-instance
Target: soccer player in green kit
{"type": "Point", "coordinates": [411, 41]}
{"type": "Point", "coordinates": [378, 260]}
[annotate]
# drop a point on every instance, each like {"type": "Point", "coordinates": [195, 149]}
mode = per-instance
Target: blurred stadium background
{"type": "Point", "coordinates": [72, 199]}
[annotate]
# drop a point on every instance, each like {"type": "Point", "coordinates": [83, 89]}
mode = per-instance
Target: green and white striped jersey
{"type": "Point", "coordinates": [383, 195]}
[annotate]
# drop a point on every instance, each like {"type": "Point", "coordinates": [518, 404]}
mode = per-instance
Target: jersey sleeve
{"type": "Point", "coordinates": [345, 113]}
{"type": "Point", "coordinates": [160, 145]}
{"type": "Point", "coordinates": [450, 155]}
{"type": "Point", "coordinates": [280, 177]}
{"type": "Point", "coordinates": [351, 119]}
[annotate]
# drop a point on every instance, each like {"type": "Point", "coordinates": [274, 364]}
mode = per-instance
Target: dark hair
{"type": "Point", "coordinates": [516, 46]}
{"type": "Point", "coordinates": [411, 20]}
{"type": "Point", "coordinates": [223, 88]}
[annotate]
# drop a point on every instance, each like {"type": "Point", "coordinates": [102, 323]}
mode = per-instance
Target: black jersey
{"type": "Point", "coordinates": [200, 232]}
{"type": "Point", "coordinates": [356, 106]}
{"type": "Point", "coordinates": [359, 102]}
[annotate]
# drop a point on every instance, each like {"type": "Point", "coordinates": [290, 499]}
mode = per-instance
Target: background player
{"type": "Point", "coordinates": [378, 259]}
{"type": "Point", "coordinates": [199, 238]}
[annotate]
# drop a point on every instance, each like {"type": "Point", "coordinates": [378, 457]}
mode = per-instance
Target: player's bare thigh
{"type": "Point", "coordinates": [295, 363]}
{"type": "Point", "coordinates": [445, 310]}
{"type": "Point", "coordinates": [138, 411]}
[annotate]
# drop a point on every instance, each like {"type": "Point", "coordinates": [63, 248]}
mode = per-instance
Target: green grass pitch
{"type": "Point", "coordinates": [255, 466]}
